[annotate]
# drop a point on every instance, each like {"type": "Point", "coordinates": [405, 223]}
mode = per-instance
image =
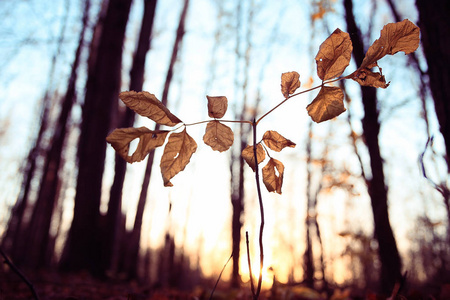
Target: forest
{"type": "Point", "coordinates": [207, 149]}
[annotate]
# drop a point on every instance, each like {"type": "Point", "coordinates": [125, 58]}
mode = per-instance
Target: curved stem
{"type": "Point", "coordinates": [261, 209]}
{"type": "Point", "coordinates": [222, 121]}
{"type": "Point", "coordinates": [299, 93]}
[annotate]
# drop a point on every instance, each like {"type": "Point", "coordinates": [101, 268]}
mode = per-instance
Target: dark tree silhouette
{"type": "Point", "coordinates": [37, 239]}
{"type": "Point", "coordinates": [134, 247]}
{"type": "Point", "coordinates": [387, 247]}
{"type": "Point", "coordinates": [83, 246]}
{"type": "Point", "coordinates": [434, 24]}
{"type": "Point", "coordinates": [136, 81]}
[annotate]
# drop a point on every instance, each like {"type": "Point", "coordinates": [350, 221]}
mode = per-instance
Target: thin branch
{"type": "Point", "coordinates": [249, 265]}
{"type": "Point", "coordinates": [299, 93]}
{"type": "Point", "coordinates": [222, 121]}
{"type": "Point", "coordinates": [261, 209]}
{"type": "Point", "coordinates": [18, 272]}
{"type": "Point", "coordinates": [220, 275]}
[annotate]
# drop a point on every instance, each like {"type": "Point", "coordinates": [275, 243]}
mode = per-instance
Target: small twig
{"type": "Point", "coordinates": [249, 265]}
{"type": "Point", "coordinates": [220, 275]}
{"type": "Point", "coordinates": [18, 272]}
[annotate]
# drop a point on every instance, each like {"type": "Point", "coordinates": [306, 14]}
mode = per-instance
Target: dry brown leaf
{"type": "Point", "coordinates": [273, 175]}
{"type": "Point", "coordinates": [276, 141]}
{"type": "Point", "coordinates": [249, 157]}
{"type": "Point", "coordinates": [394, 37]}
{"type": "Point", "coordinates": [290, 82]}
{"type": "Point", "coordinates": [328, 104]}
{"type": "Point", "coordinates": [334, 55]}
{"type": "Point", "coordinates": [366, 77]}
{"type": "Point", "coordinates": [120, 140]}
{"type": "Point", "coordinates": [177, 154]}
{"type": "Point", "coordinates": [218, 136]}
{"type": "Point", "coordinates": [217, 106]}
{"type": "Point", "coordinates": [149, 106]}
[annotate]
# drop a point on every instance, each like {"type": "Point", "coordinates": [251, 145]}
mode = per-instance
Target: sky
{"type": "Point", "coordinates": [281, 40]}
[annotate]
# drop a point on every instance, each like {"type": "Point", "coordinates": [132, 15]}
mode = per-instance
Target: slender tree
{"type": "Point", "coordinates": [434, 25]}
{"type": "Point", "coordinates": [387, 247]}
{"type": "Point", "coordinates": [136, 82]}
{"type": "Point", "coordinates": [136, 233]}
{"type": "Point", "coordinates": [83, 246]}
{"type": "Point", "coordinates": [37, 236]}
{"type": "Point", "coordinates": [13, 241]}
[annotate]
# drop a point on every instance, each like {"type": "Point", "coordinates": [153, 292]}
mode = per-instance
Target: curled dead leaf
{"type": "Point", "coordinates": [177, 154]}
{"type": "Point", "coordinates": [149, 106]}
{"type": "Point", "coordinates": [290, 82]}
{"type": "Point", "coordinates": [366, 77]}
{"type": "Point", "coordinates": [249, 156]}
{"type": "Point", "coordinates": [218, 136]}
{"type": "Point", "coordinates": [276, 141]}
{"type": "Point", "coordinates": [120, 140]}
{"type": "Point", "coordinates": [273, 175]}
{"type": "Point", "coordinates": [328, 104]}
{"type": "Point", "coordinates": [217, 106]}
{"type": "Point", "coordinates": [334, 55]}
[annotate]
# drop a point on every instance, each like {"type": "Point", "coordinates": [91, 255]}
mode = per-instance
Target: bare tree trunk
{"type": "Point", "coordinates": [434, 23]}
{"type": "Point", "coordinates": [237, 162]}
{"type": "Point", "coordinates": [83, 246]}
{"type": "Point", "coordinates": [14, 237]}
{"type": "Point", "coordinates": [308, 257]}
{"type": "Point", "coordinates": [37, 239]}
{"type": "Point", "coordinates": [136, 233]}
{"type": "Point", "coordinates": [387, 247]}
{"type": "Point", "coordinates": [136, 82]}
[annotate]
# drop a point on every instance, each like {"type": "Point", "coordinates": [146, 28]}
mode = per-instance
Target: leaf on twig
{"type": "Point", "coordinates": [218, 136]}
{"type": "Point", "coordinates": [249, 157]}
{"type": "Point", "coordinates": [217, 106]}
{"type": "Point", "coordinates": [328, 104]}
{"type": "Point", "coordinates": [290, 82]}
{"type": "Point", "coordinates": [334, 55]}
{"type": "Point", "coordinates": [276, 141]}
{"type": "Point", "coordinates": [394, 37]}
{"type": "Point", "coordinates": [120, 140]}
{"type": "Point", "coordinates": [271, 179]}
{"type": "Point", "coordinates": [176, 156]}
{"type": "Point", "coordinates": [149, 106]}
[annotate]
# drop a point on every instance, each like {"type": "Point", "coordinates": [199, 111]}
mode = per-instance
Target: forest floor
{"type": "Point", "coordinates": [81, 286]}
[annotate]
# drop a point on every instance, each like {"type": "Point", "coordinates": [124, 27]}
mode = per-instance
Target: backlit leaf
{"type": "Point", "coordinates": [290, 82]}
{"type": "Point", "coordinates": [149, 106]}
{"type": "Point", "coordinates": [328, 104]}
{"type": "Point", "coordinates": [394, 37]}
{"type": "Point", "coordinates": [218, 136]}
{"type": "Point", "coordinates": [177, 154]}
{"type": "Point", "coordinates": [273, 175]}
{"type": "Point", "coordinates": [217, 106]}
{"type": "Point", "coordinates": [276, 141]}
{"type": "Point", "coordinates": [120, 140]}
{"type": "Point", "coordinates": [249, 156]}
{"type": "Point", "coordinates": [334, 55]}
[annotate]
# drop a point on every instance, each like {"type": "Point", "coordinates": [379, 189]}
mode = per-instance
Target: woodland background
{"type": "Point", "coordinates": [365, 196]}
